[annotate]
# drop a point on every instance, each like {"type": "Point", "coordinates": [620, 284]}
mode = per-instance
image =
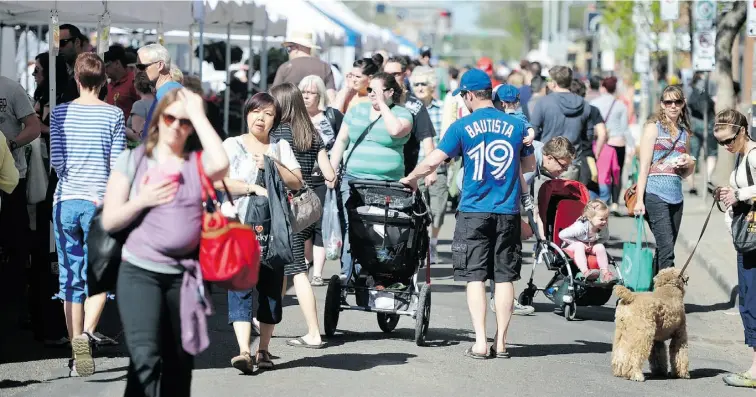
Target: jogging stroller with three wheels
{"type": "Point", "coordinates": [388, 234]}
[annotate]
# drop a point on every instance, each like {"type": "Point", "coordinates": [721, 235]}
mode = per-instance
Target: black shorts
{"type": "Point", "coordinates": [487, 246]}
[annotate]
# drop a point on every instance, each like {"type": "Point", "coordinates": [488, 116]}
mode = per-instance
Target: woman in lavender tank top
{"type": "Point", "coordinates": [161, 298]}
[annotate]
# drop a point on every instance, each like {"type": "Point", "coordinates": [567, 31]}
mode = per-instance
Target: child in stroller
{"type": "Point", "coordinates": [586, 236]}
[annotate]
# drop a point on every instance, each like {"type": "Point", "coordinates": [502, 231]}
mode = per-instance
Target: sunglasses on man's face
{"type": "Point", "coordinates": [395, 74]}
{"type": "Point", "coordinates": [144, 66]}
{"type": "Point", "coordinates": [63, 42]}
{"type": "Point", "coordinates": [676, 102]}
{"type": "Point", "coordinates": [169, 119]}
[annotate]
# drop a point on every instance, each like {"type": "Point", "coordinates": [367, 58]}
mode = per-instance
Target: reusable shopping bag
{"type": "Point", "coordinates": [332, 237]}
{"type": "Point", "coordinates": [637, 261]}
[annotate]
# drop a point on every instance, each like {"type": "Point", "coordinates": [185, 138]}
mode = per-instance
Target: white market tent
{"type": "Point", "coordinates": [217, 16]}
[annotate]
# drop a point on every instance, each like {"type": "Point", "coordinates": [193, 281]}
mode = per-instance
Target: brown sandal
{"type": "Point", "coordinates": [244, 363]}
{"type": "Point", "coordinates": [263, 360]}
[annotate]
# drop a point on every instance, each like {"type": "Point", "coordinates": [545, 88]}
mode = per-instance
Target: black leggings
{"type": "Point", "coordinates": [149, 304]}
{"type": "Point", "coordinates": [617, 185]}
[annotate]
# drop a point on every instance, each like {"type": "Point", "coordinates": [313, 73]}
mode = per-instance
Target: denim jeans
{"type": "Point", "coordinates": [149, 306]}
{"type": "Point", "coordinates": [346, 250]}
{"type": "Point", "coordinates": [71, 219]}
{"type": "Point", "coordinates": [747, 295]}
{"type": "Point", "coordinates": [270, 310]}
{"type": "Point", "coordinates": [664, 220]}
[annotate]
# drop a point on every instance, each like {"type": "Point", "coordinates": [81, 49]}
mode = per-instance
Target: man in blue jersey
{"type": "Point", "coordinates": [487, 236]}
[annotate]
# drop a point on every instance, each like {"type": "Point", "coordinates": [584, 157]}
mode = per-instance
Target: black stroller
{"type": "Point", "coordinates": [388, 234]}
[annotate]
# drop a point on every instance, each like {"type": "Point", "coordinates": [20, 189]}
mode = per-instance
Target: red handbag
{"type": "Point", "coordinates": [229, 252]}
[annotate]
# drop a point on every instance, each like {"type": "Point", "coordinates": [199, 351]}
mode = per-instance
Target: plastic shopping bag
{"type": "Point", "coordinates": [637, 262]}
{"type": "Point", "coordinates": [332, 237]}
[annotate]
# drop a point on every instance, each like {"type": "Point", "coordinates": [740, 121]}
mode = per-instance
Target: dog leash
{"type": "Point", "coordinates": [703, 230]}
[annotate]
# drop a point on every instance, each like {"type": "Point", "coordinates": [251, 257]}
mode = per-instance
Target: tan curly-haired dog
{"type": "Point", "coordinates": [644, 321]}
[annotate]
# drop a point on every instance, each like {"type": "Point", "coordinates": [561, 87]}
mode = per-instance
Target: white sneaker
{"type": "Point", "coordinates": [519, 310]}
{"type": "Point", "coordinates": [522, 310]}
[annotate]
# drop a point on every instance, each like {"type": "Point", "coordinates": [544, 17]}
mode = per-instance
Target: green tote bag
{"type": "Point", "coordinates": [637, 261]}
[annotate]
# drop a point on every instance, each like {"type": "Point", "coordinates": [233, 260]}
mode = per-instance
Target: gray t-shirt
{"type": "Point", "coordinates": [614, 113]}
{"type": "Point", "coordinates": [140, 108]}
{"type": "Point", "coordinates": [15, 105]}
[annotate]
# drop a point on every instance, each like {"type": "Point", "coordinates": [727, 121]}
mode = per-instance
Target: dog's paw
{"type": "Point", "coordinates": [638, 377]}
{"type": "Point", "coordinates": [682, 375]}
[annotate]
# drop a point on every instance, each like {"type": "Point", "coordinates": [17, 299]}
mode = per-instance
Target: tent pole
{"type": "Point", "coordinates": [227, 94]}
{"type": "Point", "coordinates": [264, 59]}
{"type": "Point", "coordinates": [250, 73]}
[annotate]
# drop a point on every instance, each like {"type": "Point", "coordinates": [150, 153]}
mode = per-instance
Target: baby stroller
{"type": "Point", "coordinates": [388, 234]}
{"type": "Point", "coordinates": [561, 203]}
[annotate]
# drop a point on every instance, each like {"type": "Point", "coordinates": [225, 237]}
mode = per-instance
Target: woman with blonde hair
{"type": "Point", "coordinates": [327, 121]}
{"type": "Point", "coordinates": [664, 162]}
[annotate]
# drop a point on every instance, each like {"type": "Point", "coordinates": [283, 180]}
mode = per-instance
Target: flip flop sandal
{"type": "Point", "coordinates": [470, 353]}
{"type": "Point", "coordinates": [300, 342]}
{"type": "Point", "coordinates": [495, 354]}
{"type": "Point", "coordinates": [244, 363]}
{"type": "Point", "coordinates": [264, 361]}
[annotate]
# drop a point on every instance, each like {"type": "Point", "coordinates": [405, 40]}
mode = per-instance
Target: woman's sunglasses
{"type": "Point", "coordinates": [676, 102]}
{"type": "Point", "coordinates": [420, 84]}
{"type": "Point", "coordinates": [729, 140]}
{"type": "Point", "coordinates": [169, 119]}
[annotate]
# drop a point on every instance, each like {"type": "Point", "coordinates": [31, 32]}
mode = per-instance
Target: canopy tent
{"type": "Point", "coordinates": [372, 35]}
{"type": "Point", "coordinates": [216, 15]}
{"type": "Point", "coordinates": [301, 16]}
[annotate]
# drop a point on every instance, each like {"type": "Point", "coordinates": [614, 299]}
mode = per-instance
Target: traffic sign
{"type": "Point", "coordinates": [751, 18]}
{"type": "Point", "coordinates": [592, 21]}
{"type": "Point", "coordinates": [704, 54]}
{"type": "Point", "coordinates": [670, 10]}
{"type": "Point", "coordinates": [704, 14]}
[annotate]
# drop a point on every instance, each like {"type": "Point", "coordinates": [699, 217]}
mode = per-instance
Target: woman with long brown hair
{"type": "Point", "coordinates": [731, 131]}
{"type": "Point", "coordinates": [664, 162]}
{"type": "Point", "coordinates": [297, 129]}
{"type": "Point", "coordinates": [161, 298]}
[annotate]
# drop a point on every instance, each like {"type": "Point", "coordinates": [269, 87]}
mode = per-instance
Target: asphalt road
{"type": "Point", "coordinates": [549, 355]}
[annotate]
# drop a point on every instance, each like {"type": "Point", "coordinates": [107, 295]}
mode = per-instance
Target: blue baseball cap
{"type": "Point", "coordinates": [473, 80]}
{"type": "Point", "coordinates": [507, 93]}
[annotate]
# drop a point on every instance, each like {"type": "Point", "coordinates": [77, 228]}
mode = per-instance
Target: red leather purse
{"type": "Point", "coordinates": [229, 252]}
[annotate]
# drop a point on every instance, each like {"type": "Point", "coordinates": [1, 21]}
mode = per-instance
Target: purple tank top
{"type": "Point", "coordinates": [170, 234]}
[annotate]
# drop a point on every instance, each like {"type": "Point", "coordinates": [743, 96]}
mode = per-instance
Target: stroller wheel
{"type": "Point", "coordinates": [422, 318]}
{"type": "Point", "coordinates": [526, 297]}
{"type": "Point", "coordinates": [332, 306]}
{"type": "Point", "coordinates": [387, 322]}
{"type": "Point", "coordinates": [570, 310]}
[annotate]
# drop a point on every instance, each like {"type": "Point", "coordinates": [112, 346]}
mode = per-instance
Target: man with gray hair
{"type": "Point", "coordinates": [155, 61]}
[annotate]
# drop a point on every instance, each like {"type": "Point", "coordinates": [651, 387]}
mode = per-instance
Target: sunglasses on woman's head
{"type": "Point", "coordinates": [169, 119]}
{"type": "Point", "coordinates": [677, 102]}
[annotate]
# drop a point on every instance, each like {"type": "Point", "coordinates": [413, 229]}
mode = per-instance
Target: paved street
{"type": "Point", "coordinates": [550, 355]}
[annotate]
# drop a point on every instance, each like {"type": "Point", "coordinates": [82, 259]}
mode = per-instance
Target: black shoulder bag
{"type": "Point", "coordinates": [743, 222]}
{"type": "Point", "coordinates": [104, 248]}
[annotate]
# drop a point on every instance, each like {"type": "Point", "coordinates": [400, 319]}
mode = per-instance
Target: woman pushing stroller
{"type": "Point", "coordinates": [587, 236]}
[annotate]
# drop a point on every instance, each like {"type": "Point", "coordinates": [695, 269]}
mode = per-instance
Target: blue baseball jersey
{"type": "Point", "coordinates": [490, 143]}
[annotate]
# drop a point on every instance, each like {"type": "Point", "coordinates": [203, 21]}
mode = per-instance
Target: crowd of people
{"type": "Point", "coordinates": [131, 137]}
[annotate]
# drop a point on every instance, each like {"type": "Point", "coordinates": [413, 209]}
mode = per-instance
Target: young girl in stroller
{"type": "Point", "coordinates": [586, 236]}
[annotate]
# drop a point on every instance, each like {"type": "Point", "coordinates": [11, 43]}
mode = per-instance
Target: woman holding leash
{"type": "Point", "coordinates": [664, 162]}
{"type": "Point", "coordinates": [731, 131]}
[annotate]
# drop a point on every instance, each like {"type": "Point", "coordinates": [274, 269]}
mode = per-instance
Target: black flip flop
{"type": "Point", "coordinates": [470, 353]}
{"type": "Point", "coordinates": [495, 354]}
{"type": "Point", "coordinates": [300, 342]}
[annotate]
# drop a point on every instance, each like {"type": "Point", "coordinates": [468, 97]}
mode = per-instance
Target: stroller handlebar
{"type": "Point", "coordinates": [369, 182]}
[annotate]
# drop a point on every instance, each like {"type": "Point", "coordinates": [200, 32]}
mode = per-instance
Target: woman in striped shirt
{"type": "Point", "coordinates": [86, 137]}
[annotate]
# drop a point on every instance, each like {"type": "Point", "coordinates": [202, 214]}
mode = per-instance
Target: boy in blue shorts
{"type": "Point", "coordinates": [487, 241]}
